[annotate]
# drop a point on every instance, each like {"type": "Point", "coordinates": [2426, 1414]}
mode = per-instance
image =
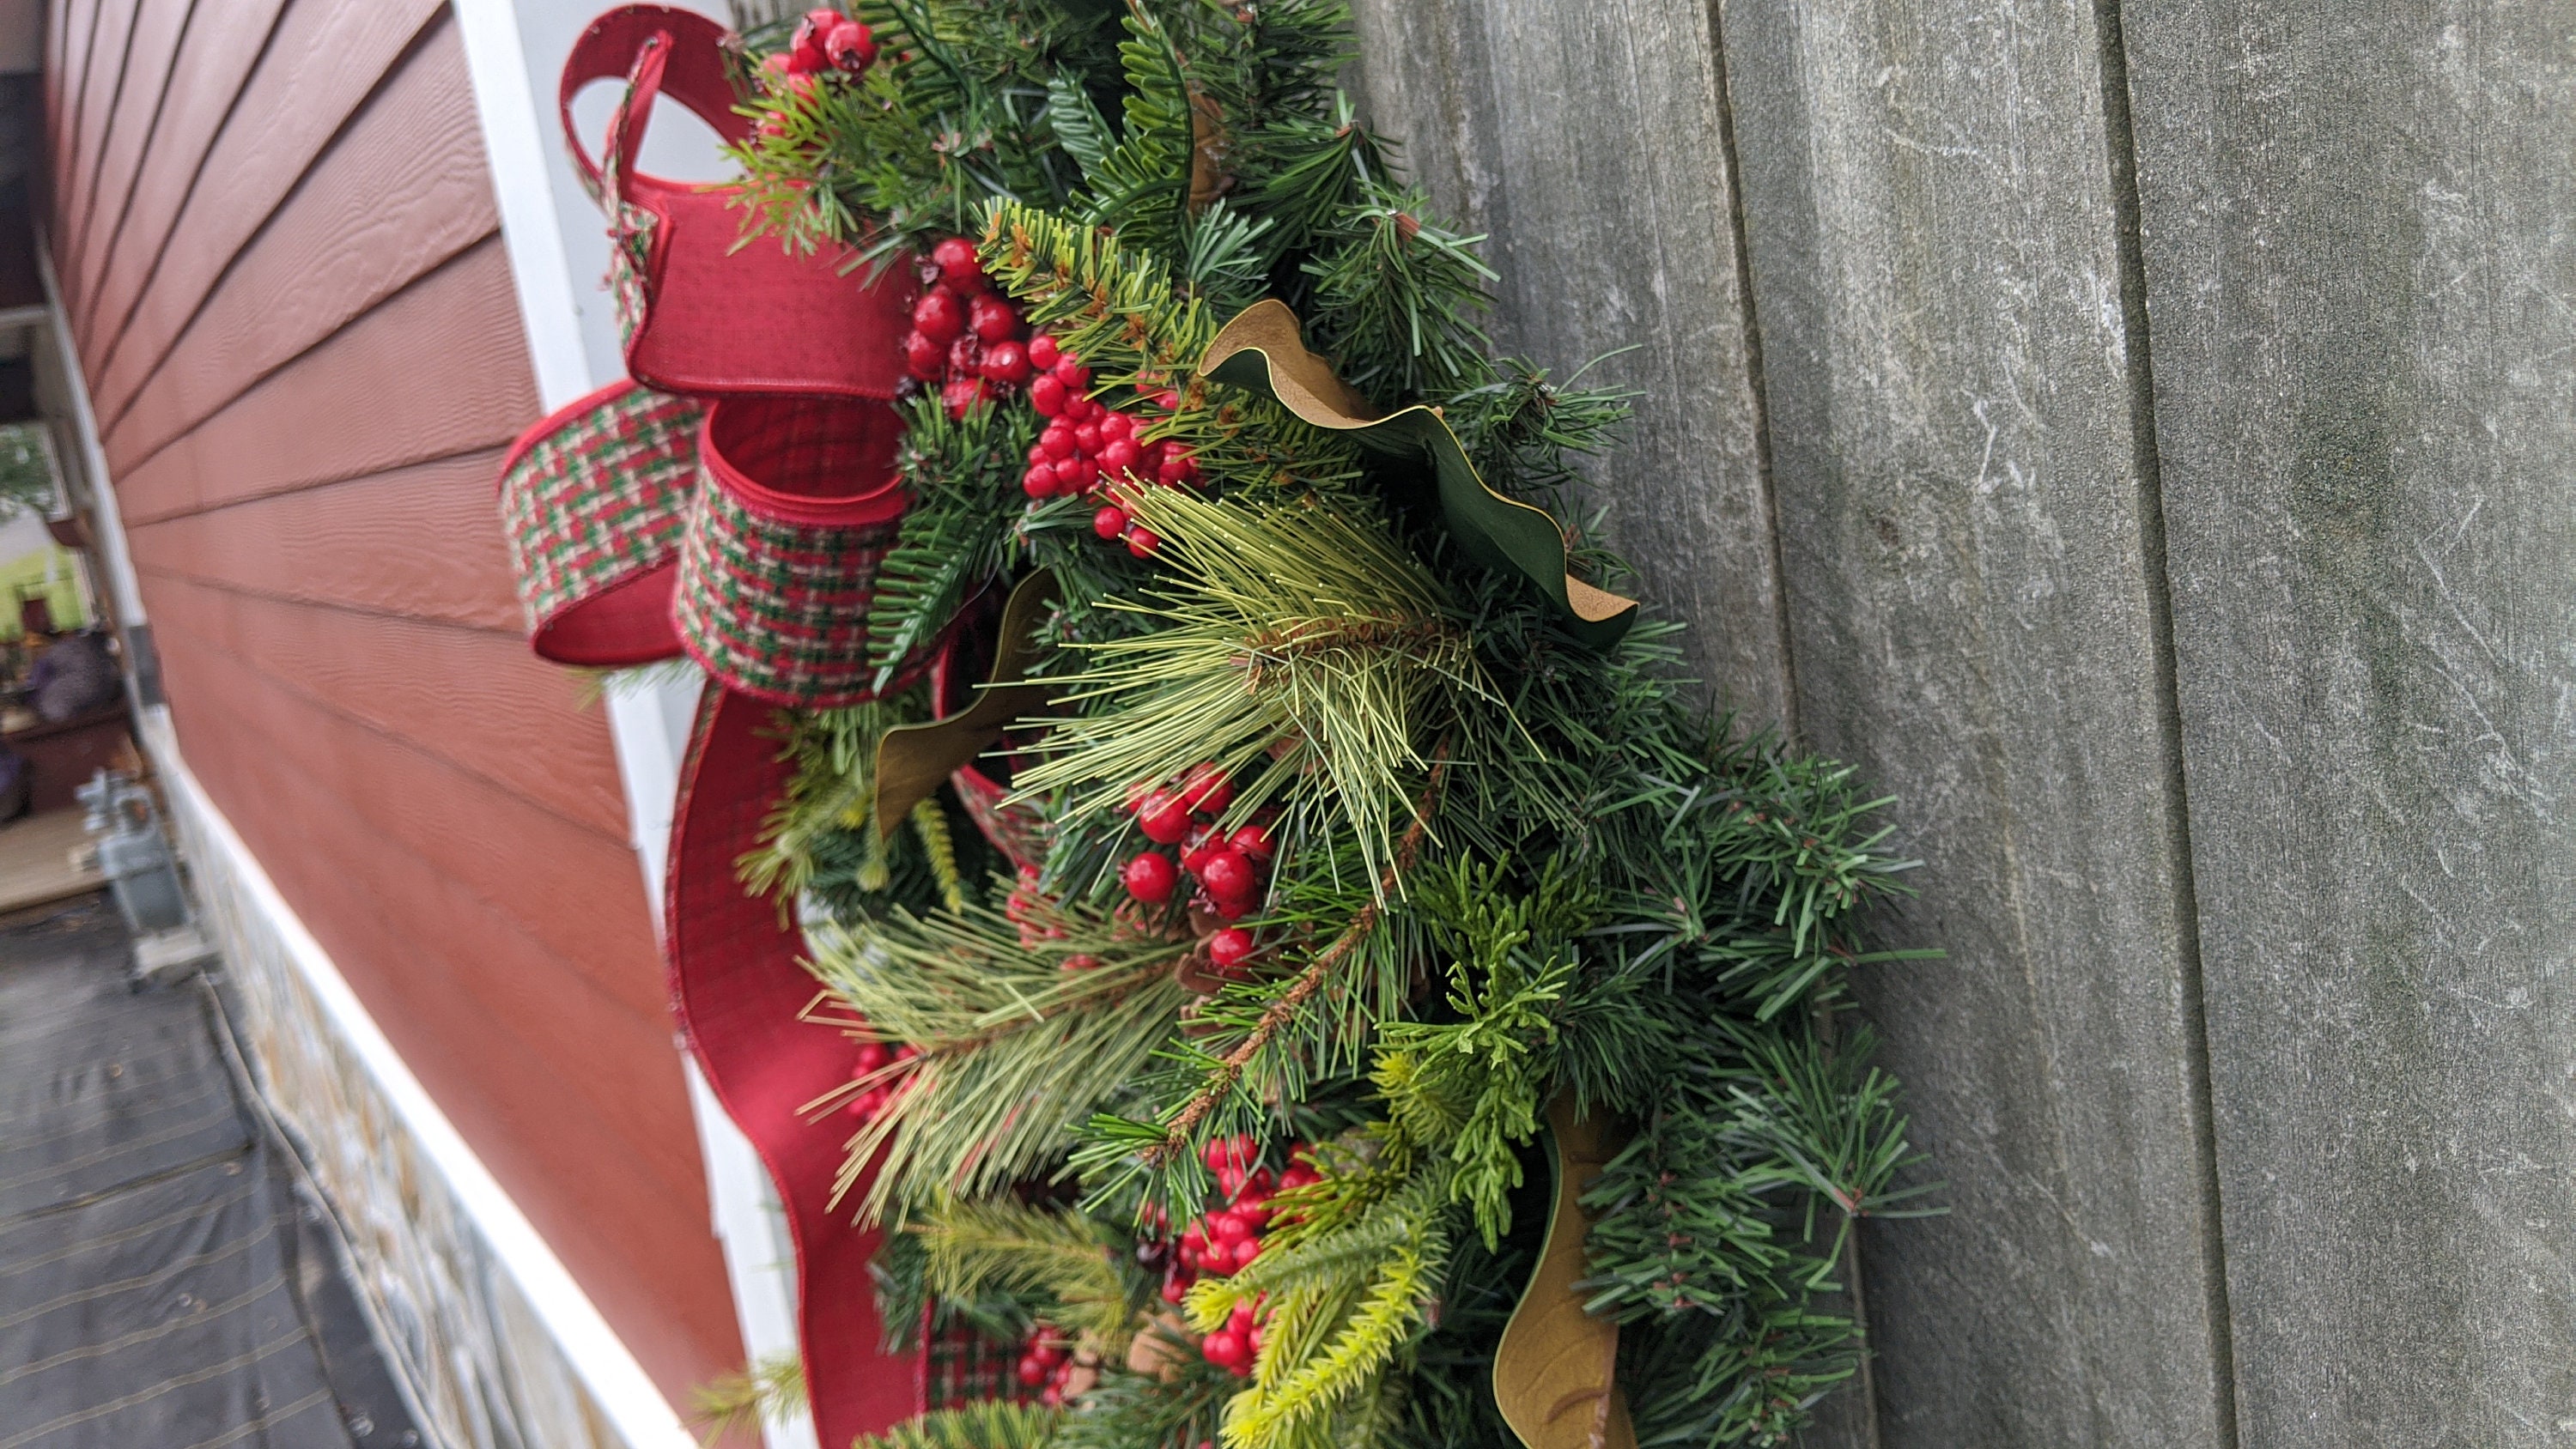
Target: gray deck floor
{"type": "Point", "coordinates": [163, 1284]}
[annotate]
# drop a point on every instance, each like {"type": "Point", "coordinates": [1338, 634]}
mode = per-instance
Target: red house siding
{"type": "Point", "coordinates": [277, 244]}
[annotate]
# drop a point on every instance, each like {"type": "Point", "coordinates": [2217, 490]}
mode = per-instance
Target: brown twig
{"type": "Point", "coordinates": [1308, 982]}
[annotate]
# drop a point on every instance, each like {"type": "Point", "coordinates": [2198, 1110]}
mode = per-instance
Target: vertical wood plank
{"type": "Point", "coordinates": [2360, 259]}
{"type": "Point", "coordinates": [1931, 222]}
{"type": "Point", "coordinates": [1588, 140]}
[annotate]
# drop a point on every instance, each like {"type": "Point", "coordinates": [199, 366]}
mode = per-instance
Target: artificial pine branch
{"type": "Point", "coordinates": [985, 1424]}
{"type": "Point", "coordinates": [1007, 1246]}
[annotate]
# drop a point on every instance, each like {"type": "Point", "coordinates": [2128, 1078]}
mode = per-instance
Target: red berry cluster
{"type": "Point", "coordinates": [1229, 868]}
{"type": "Point", "coordinates": [874, 1057]}
{"type": "Point", "coordinates": [966, 337]}
{"type": "Point", "coordinates": [1047, 1363]}
{"type": "Point", "coordinates": [826, 41]}
{"type": "Point", "coordinates": [1089, 448]}
{"type": "Point", "coordinates": [1226, 1239]}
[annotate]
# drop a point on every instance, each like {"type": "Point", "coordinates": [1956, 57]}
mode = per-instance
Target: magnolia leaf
{"type": "Point", "coordinates": [1554, 1370]}
{"type": "Point", "coordinates": [913, 759]}
{"type": "Point", "coordinates": [1264, 350]}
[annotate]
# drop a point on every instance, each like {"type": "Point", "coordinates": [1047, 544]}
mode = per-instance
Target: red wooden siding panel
{"type": "Point", "coordinates": [99, 93]}
{"type": "Point", "coordinates": [429, 374]}
{"type": "Point", "coordinates": [318, 66]}
{"type": "Point", "coordinates": [204, 81]}
{"type": "Point", "coordinates": [297, 317]}
{"type": "Point", "coordinates": [432, 686]}
{"type": "Point", "coordinates": [404, 188]}
{"type": "Point", "coordinates": [159, 32]}
{"type": "Point", "coordinates": [351, 544]}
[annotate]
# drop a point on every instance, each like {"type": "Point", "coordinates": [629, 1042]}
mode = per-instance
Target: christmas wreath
{"type": "Point", "coordinates": [1313, 975]}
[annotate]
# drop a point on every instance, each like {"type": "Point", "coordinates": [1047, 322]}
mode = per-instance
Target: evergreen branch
{"type": "Point", "coordinates": [1006, 1246]}
{"type": "Point", "coordinates": [983, 1424]}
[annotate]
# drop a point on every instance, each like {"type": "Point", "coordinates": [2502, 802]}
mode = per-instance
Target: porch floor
{"type": "Point", "coordinates": [163, 1281]}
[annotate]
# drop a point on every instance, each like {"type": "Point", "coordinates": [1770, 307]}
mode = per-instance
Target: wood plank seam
{"type": "Point", "coordinates": [1756, 385]}
{"type": "Point", "coordinates": [437, 268]}
{"type": "Point", "coordinates": [402, 59]}
{"type": "Point", "coordinates": [83, 234]}
{"type": "Point", "coordinates": [92, 346]}
{"type": "Point", "coordinates": [2129, 214]}
{"type": "Point", "coordinates": [373, 730]}
{"type": "Point", "coordinates": [84, 192]}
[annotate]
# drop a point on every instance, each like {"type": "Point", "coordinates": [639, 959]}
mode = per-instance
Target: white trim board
{"type": "Point", "coordinates": [618, 1385]}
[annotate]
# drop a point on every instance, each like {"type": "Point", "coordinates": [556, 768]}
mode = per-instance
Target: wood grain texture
{"type": "Point", "coordinates": [159, 30]}
{"type": "Point", "coordinates": [2359, 255]}
{"type": "Point", "coordinates": [100, 90]}
{"type": "Point", "coordinates": [404, 189]}
{"type": "Point", "coordinates": [443, 690]}
{"type": "Point", "coordinates": [1932, 229]}
{"type": "Point", "coordinates": [323, 61]}
{"type": "Point", "coordinates": [206, 79]}
{"type": "Point", "coordinates": [416, 541]}
{"type": "Point", "coordinates": [1610, 226]}
{"type": "Point", "coordinates": [573, 890]}
{"type": "Point", "coordinates": [62, 116]}
{"type": "Point", "coordinates": [439, 369]}
{"type": "Point", "coordinates": [573, 1108]}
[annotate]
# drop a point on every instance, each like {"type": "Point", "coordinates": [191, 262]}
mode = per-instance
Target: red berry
{"type": "Point", "coordinates": [1194, 1234]}
{"type": "Point", "coordinates": [1241, 1254]}
{"type": "Point", "coordinates": [772, 126]}
{"type": "Point", "coordinates": [993, 320]}
{"type": "Point", "coordinates": [1078, 471]}
{"type": "Point", "coordinates": [1046, 394]}
{"type": "Point", "coordinates": [923, 358]}
{"type": "Point", "coordinates": [1082, 409]}
{"type": "Point", "coordinates": [1086, 436]}
{"type": "Point", "coordinates": [1226, 1228]}
{"type": "Point", "coordinates": [1118, 457]}
{"type": "Point", "coordinates": [1048, 1351]}
{"type": "Point", "coordinates": [1109, 522]}
{"type": "Point", "coordinates": [958, 265]}
{"type": "Point", "coordinates": [1071, 372]}
{"type": "Point", "coordinates": [1253, 841]}
{"type": "Point", "coordinates": [868, 1104]}
{"type": "Point", "coordinates": [872, 1055]}
{"type": "Point", "coordinates": [1228, 876]}
{"type": "Point", "coordinates": [1006, 362]}
{"type": "Point", "coordinates": [801, 88]}
{"type": "Point", "coordinates": [1227, 910]}
{"type": "Point", "coordinates": [964, 393]}
{"type": "Point", "coordinates": [806, 52]}
{"type": "Point", "coordinates": [1142, 542]}
{"type": "Point", "coordinates": [1206, 788]}
{"type": "Point", "coordinates": [1031, 1372]}
{"type": "Point", "coordinates": [1168, 400]}
{"type": "Point", "coordinates": [1174, 1290]}
{"type": "Point", "coordinates": [1058, 441]}
{"type": "Point", "coordinates": [851, 47]}
{"type": "Point", "coordinates": [965, 356]}
{"type": "Point", "coordinates": [1240, 1320]}
{"type": "Point", "coordinates": [1150, 877]}
{"type": "Point", "coordinates": [1051, 1396]}
{"type": "Point", "coordinates": [1116, 425]}
{"type": "Point", "coordinates": [774, 67]}
{"type": "Point", "coordinates": [1165, 820]}
{"type": "Point", "coordinates": [938, 316]}
{"type": "Point", "coordinates": [1039, 481]}
{"type": "Point", "coordinates": [1043, 353]}
{"type": "Point", "coordinates": [1223, 1348]}
{"type": "Point", "coordinates": [1229, 949]}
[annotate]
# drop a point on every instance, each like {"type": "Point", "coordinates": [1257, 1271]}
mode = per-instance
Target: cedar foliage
{"type": "Point", "coordinates": [1509, 865]}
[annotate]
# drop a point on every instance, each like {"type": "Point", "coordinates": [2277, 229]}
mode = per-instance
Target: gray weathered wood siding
{"type": "Point", "coordinates": [2143, 438]}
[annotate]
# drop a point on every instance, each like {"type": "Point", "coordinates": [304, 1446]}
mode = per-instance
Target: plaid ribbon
{"type": "Point", "coordinates": [593, 499]}
{"type": "Point", "coordinates": [797, 509]}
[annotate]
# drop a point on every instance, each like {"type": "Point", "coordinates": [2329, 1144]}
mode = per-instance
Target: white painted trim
{"type": "Point", "coordinates": [619, 1387]}
{"type": "Point", "coordinates": [127, 595]}
{"type": "Point", "coordinates": [516, 139]}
